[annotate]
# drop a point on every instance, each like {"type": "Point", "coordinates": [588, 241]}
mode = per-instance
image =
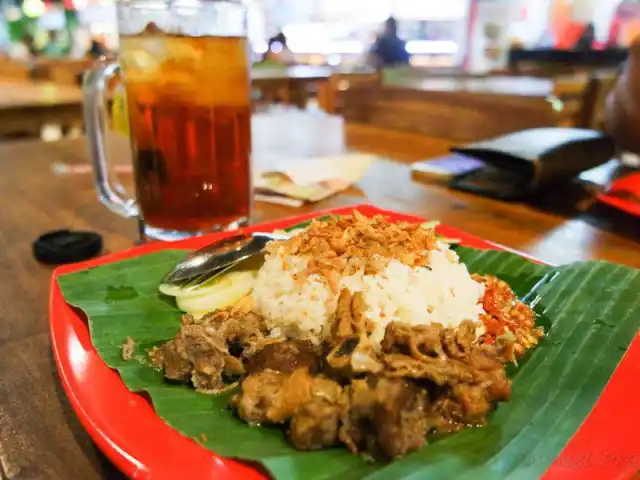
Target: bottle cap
{"type": "Point", "coordinates": [66, 246]}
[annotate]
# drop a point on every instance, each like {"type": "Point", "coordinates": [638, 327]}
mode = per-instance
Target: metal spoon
{"type": "Point", "coordinates": [216, 258]}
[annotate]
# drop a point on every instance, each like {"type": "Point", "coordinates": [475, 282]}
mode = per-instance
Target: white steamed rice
{"type": "Point", "coordinates": [444, 293]}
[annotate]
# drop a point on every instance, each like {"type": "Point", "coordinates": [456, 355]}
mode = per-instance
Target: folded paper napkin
{"type": "Point", "coordinates": [295, 182]}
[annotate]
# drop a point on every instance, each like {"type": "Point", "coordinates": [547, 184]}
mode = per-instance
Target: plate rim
{"type": "Point", "coordinates": [76, 358]}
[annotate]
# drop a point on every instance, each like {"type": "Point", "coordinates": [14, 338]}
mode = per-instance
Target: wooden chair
{"type": "Point", "coordinates": [332, 94]}
{"type": "Point", "coordinates": [458, 116]}
{"type": "Point", "coordinates": [580, 100]}
{"type": "Point", "coordinates": [606, 83]}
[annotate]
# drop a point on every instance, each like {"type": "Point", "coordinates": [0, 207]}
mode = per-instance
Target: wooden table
{"type": "Point", "coordinates": [27, 105]}
{"type": "Point", "coordinates": [39, 434]}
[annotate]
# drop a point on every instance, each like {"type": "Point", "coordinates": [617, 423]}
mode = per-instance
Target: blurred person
{"type": "Point", "coordinates": [53, 47]}
{"type": "Point", "coordinates": [623, 104]}
{"type": "Point", "coordinates": [389, 50]}
{"type": "Point", "coordinates": [96, 49]}
{"type": "Point", "coordinates": [278, 51]}
{"type": "Point", "coordinates": [585, 42]}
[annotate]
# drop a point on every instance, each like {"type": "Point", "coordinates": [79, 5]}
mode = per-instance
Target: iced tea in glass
{"type": "Point", "coordinates": [188, 98]}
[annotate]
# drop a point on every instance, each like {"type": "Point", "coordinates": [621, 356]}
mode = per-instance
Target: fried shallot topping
{"type": "Point", "coordinates": [346, 245]}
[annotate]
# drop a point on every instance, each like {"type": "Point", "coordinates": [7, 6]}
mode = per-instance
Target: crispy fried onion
{"type": "Point", "coordinates": [345, 245]}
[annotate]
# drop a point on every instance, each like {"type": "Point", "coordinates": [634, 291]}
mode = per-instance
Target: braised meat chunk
{"type": "Point", "coordinates": [200, 352]}
{"type": "Point", "coordinates": [386, 418]}
{"type": "Point", "coordinates": [286, 357]}
{"type": "Point", "coordinates": [444, 355]}
{"type": "Point", "coordinates": [315, 425]}
{"type": "Point", "coordinates": [313, 405]}
{"type": "Point", "coordinates": [239, 327]}
{"type": "Point", "coordinates": [468, 379]}
{"type": "Point", "coordinates": [316, 422]}
{"type": "Point", "coordinates": [261, 398]}
{"type": "Point", "coordinates": [416, 341]}
{"type": "Point", "coordinates": [196, 355]}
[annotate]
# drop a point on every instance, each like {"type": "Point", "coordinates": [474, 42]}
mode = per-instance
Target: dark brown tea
{"type": "Point", "coordinates": [190, 117]}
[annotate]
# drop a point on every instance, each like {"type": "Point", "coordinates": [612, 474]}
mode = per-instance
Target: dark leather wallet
{"type": "Point", "coordinates": [524, 163]}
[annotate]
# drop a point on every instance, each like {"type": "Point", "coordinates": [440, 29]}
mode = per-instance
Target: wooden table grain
{"type": "Point", "coordinates": [40, 438]}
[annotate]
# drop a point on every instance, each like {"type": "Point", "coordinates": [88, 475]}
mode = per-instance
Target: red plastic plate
{"type": "Point", "coordinates": [125, 427]}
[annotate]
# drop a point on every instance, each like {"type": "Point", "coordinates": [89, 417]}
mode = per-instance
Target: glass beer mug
{"type": "Point", "coordinates": [185, 69]}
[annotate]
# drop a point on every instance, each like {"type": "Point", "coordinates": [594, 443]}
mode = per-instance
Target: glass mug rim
{"type": "Point", "coordinates": [216, 165]}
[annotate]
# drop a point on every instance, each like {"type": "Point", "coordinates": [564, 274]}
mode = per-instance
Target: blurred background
{"type": "Point", "coordinates": [457, 64]}
{"type": "Point", "coordinates": [474, 35]}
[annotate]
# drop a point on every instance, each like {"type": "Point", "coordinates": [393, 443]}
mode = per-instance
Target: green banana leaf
{"type": "Point", "coordinates": [588, 309]}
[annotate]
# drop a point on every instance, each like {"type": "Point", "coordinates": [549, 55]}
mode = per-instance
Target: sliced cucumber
{"type": "Point", "coordinates": [221, 295]}
{"type": "Point", "coordinates": [223, 280]}
{"type": "Point", "coordinates": [221, 291]}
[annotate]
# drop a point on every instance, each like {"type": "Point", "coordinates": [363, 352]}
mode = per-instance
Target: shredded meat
{"type": "Point", "coordinates": [285, 357]}
{"type": "Point", "coordinates": [313, 405]}
{"type": "Point", "coordinates": [386, 418]}
{"type": "Point", "coordinates": [350, 320]}
{"type": "Point", "coordinates": [239, 325]}
{"type": "Point", "coordinates": [468, 378]}
{"type": "Point", "coordinates": [200, 352]}
{"type": "Point", "coordinates": [351, 349]}
{"type": "Point", "coordinates": [128, 348]}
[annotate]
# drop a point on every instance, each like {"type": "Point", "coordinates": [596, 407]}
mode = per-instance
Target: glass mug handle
{"type": "Point", "coordinates": [110, 191]}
